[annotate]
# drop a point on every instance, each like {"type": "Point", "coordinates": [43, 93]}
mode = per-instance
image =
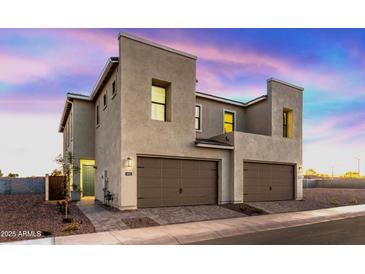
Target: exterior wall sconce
{"type": "Point", "coordinates": [129, 162]}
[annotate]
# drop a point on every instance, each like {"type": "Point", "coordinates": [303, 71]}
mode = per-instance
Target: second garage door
{"type": "Point", "coordinates": [267, 182]}
{"type": "Point", "coordinates": [176, 182]}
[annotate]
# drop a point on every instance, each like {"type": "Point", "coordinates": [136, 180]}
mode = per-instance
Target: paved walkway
{"type": "Point", "coordinates": [105, 219]}
{"type": "Point", "coordinates": [207, 230]}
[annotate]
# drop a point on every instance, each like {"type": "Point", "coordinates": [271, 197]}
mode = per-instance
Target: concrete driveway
{"type": "Point", "coordinates": [107, 219]}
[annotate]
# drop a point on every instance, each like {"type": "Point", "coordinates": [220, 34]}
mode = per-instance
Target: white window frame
{"type": "Point", "coordinates": [234, 119]}
{"type": "Point", "coordinates": [201, 118]}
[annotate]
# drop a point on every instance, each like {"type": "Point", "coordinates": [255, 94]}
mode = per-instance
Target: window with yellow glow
{"type": "Point", "coordinates": [158, 109]}
{"type": "Point", "coordinates": [228, 122]}
{"type": "Point", "coordinates": [287, 123]}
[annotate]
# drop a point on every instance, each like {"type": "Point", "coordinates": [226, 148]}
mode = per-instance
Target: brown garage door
{"type": "Point", "coordinates": [176, 182]}
{"type": "Point", "coordinates": [267, 182]}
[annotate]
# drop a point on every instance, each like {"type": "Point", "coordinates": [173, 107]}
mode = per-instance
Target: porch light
{"type": "Point", "coordinates": [129, 162]}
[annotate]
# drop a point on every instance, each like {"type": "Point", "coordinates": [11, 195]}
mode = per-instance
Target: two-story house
{"type": "Point", "coordinates": [146, 135]}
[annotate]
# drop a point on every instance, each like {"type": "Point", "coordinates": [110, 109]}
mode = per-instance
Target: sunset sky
{"type": "Point", "coordinates": [39, 66]}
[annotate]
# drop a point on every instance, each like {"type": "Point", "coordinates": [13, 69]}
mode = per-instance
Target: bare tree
{"type": "Point", "coordinates": [68, 163]}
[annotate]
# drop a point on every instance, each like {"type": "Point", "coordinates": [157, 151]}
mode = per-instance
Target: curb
{"type": "Point", "coordinates": [188, 233]}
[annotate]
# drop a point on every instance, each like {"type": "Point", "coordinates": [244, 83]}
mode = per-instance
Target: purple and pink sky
{"type": "Point", "coordinates": [39, 66]}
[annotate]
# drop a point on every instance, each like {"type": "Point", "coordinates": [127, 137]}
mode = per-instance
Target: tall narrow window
{"type": "Point", "coordinates": [228, 121]}
{"type": "Point", "coordinates": [158, 108]}
{"type": "Point", "coordinates": [287, 123]}
{"type": "Point", "coordinates": [104, 100]}
{"type": "Point", "coordinates": [71, 136]}
{"type": "Point", "coordinates": [198, 114]}
{"type": "Point", "coordinates": [97, 115]}
{"type": "Point", "coordinates": [114, 90]}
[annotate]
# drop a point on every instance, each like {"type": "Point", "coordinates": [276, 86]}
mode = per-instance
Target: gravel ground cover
{"type": "Point", "coordinates": [27, 216]}
{"type": "Point", "coordinates": [315, 198]}
{"type": "Point", "coordinates": [245, 209]}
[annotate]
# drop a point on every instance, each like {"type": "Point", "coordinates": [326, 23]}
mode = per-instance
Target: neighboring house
{"type": "Point", "coordinates": [147, 137]}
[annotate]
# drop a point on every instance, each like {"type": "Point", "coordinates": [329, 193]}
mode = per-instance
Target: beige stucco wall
{"type": "Point", "coordinates": [108, 140]}
{"type": "Point", "coordinates": [257, 119]}
{"type": "Point", "coordinates": [212, 117]}
{"type": "Point", "coordinates": [83, 141]}
{"type": "Point", "coordinates": [275, 148]}
{"type": "Point", "coordinates": [140, 63]}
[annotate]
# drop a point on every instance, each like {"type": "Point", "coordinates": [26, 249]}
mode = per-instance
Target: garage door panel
{"type": "Point", "coordinates": [170, 183]}
{"type": "Point", "coordinates": [210, 173]}
{"type": "Point", "coordinates": [150, 202]}
{"type": "Point", "coordinates": [268, 182]}
{"type": "Point", "coordinates": [175, 182]}
{"type": "Point", "coordinates": [195, 183]}
{"type": "Point", "coordinates": [169, 173]}
{"type": "Point", "coordinates": [150, 162]}
{"type": "Point", "coordinates": [201, 191]}
{"type": "Point", "coordinates": [170, 163]}
{"type": "Point", "coordinates": [190, 172]}
{"type": "Point", "coordinates": [150, 192]}
{"type": "Point", "coordinates": [190, 164]}
{"type": "Point", "coordinates": [208, 165]}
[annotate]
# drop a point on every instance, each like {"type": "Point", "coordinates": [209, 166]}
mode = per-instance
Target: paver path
{"type": "Point", "coordinates": [105, 219]}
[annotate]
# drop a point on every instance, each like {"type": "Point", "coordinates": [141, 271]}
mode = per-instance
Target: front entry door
{"type": "Point", "coordinates": [88, 173]}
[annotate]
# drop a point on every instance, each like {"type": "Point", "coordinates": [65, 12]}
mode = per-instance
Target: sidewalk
{"type": "Point", "coordinates": [207, 230]}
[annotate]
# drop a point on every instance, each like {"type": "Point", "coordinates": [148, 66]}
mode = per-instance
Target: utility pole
{"type": "Point", "coordinates": [332, 172]}
{"type": "Point", "coordinates": [358, 165]}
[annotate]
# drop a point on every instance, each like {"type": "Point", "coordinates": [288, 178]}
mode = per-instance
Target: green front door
{"type": "Point", "coordinates": [88, 173]}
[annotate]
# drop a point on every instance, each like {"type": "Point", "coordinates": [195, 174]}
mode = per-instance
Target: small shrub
{"type": "Point", "coordinates": [353, 201]}
{"type": "Point", "coordinates": [334, 201]}
{"type": "Point", "coordinates": [250, 209]}
{"type": "Point", "coordinates": [257, 210]}
{"type": "Point", "coordinates": [46, 233]}
{"type": "Point", "coordinates": [71, 227]}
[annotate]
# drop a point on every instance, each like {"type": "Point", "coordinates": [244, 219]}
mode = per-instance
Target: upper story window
{"type": "Point", "coordinates": [114, 90]}
{"type": "Point", "coordinates": [104, 101]}
{"type": "Point", "coordinates": [65, 134]}
{"type": "Point", "coordinates": [71, 126]}
{"type": "Point", "coordinates": [198, 116]}
{"type": "Point", "coordinates": [228, 120]}
{"type": "Point", "coordinates": [158, 108]}
{"type": "Point", "coordinates": [97, 115]}
{"type": "Point", "coordinates": [287, 123]}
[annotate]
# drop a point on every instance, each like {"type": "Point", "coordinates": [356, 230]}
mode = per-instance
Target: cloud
{"type": "Point", "coordinates": [29, 105]}
{"type": "Point", "coordinates": [334, 130]}
{"type": "Point", "coordinates": [82, 52]}
{"type": "Point", "coordinates": [17, 69]}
